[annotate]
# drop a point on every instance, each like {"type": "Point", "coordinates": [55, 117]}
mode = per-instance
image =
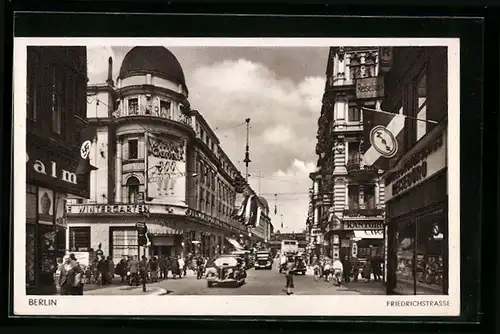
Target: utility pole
{"type": "Point", "coordinates": [247, 150]}
{"type": "Point", "coordinates": [259, 181]}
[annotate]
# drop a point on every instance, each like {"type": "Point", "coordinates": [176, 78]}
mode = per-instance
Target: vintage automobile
{"type": "Point", "coordinates": [264, 259]}
{"type": "Point", "coordinates": [300, 265]}
{"type": "Point", "coordinates": [228, 269]}
{"type": "Point", "coordinates": [245, 255]}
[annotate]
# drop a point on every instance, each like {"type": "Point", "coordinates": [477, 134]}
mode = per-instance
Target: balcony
{"type": "Point", "coordinates": [357, 171]}
{"type": "Point", "coordinates": [155, 112]}
{"type": "Point", "coordinates": [363, 212]}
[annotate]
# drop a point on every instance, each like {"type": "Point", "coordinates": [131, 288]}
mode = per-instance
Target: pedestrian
{"type": "Point", "coordinates": [153, 266]}
{"type": "Point", "coordinates": [327, 272]}
{"type": "Point", "coordinates": [161, 267]}
{"type": "Point", "coordinates": [175, 267]}
{"type": "Point", "coordinates": [355, 269]}
{"type": "Point", "coordinates": [168, 265]}
{"type": "Point", "coordinates": [103, 270]}
{"type": "Point", "coordinates": [134, 271]}
{"type": "Point", "coordinates": [70, 279]}
{"type": "Point", "coordinates": [376, 267]}
{"type": "Point", "coordinates": [182, 266]}
{"type": "Point", "coordinates": [111, 269]}
{"type": "Point", "coordinates": [338, 271]}
{"type": "Point", "coordinates": [289, 268]}
{"type": "Point", "coordinates": [367, 270]}
{"type": "Point", "coordinates": [347, 269]}
{"type": "Point", "coordinates": [143, 271]}
{"type": "Point", "coordinates": [121, 269]}
{"type": "Point", "coordinates": [317, 271]}
{"type": "Point", "coordinates": [95, 270]}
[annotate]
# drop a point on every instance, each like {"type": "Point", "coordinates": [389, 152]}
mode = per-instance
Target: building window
{"type": "Point", "coordinates": [79, 239]}
{"type": "Point", "coordinates": [133, 189]}
{"type": "Point", "coordinates": [124, 243]}
{"type": "Point", "coordinates": [353, 152]}
{"type": "Point", "coordinates": [353, 114]}
{"type": "Point", "coordinates": [201, 205]}
{"type": "Point", "coordinates": [133, 106]}
{"type": "Point", "coordinates": [133, 148]}
{"type": "Point", "coordinates": [202, 135]}
{"type": "Point", "coordinates": [353, 194]}
{"type": "Point", "coordinates": [209, 177]}
{"type": "Point", "coordinates": [369, 196]}
{"type": "Point", "coordinates": [56, 99]}
{"type": "Point", "coordinates": [421, 105]}
{"type": "Point", "coordinates": [213, 206]}
{"type": "Point", "coordinates": [165, 109]}
{"type": "Point", "coordinates": [33, 69]}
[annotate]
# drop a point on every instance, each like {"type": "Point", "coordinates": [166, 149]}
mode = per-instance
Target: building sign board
{"type": "Point", "coordinates": [75, 210]}
{"type": "Point", "coordinates": [363, 225]}
{"type": "Point", "coordinates": [369, 88]}
{"type": "Point", "coordinates": [166, 169]}
{"type": "Point", "coordinates": [418, 166]}
{"type": "Point", "coordinates": [55, 171]}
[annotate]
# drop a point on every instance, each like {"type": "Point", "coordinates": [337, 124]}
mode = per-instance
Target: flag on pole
{"type": "Point", "coordinates": [383, 137]}
{"type": "Point", "coordinates": [87, 136]}
{"type": "Point", "coordinates": [249, 208]}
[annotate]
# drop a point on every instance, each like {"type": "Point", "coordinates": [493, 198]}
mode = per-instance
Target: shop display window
{"type": "Point", "coordinates": [405, 244]}
{"type": "Point", "coordinates": [125, 242]}
{"type": "Point", "coordinates": [429, 257]}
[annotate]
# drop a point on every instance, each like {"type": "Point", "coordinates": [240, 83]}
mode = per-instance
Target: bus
{"type": "Point", "coordinates": [289, 246]}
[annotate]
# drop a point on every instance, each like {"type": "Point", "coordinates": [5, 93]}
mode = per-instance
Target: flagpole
{"type": "Point", "coordinates": [393, 114]}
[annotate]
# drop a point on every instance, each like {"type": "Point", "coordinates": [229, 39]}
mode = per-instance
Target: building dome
{"type": "Point", "coordinates": [264, 203]}
{"type": "Point", "coordinates": [152, 59]}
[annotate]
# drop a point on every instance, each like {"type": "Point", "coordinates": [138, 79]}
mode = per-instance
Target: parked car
{"type": "Point", "coordinates": [228, 269]}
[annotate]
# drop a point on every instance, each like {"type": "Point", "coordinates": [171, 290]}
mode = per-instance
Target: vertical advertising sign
{"type": "Point", "coordinates": [166, 170]}
{"type": "Point", "coordinates": [385, 59]}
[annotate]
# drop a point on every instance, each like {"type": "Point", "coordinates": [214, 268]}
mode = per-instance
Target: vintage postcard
{"type": "Point", "coordinates": [206, 176]}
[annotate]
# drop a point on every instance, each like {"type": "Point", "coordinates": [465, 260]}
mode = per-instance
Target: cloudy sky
{"type": "Point", "coordinates": [279, 89]}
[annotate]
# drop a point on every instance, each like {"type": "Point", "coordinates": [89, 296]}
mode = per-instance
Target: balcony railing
{"type": "Point", "coordinates": [142, 110]}
{"type": "Point", "coordinates": [367, 212]}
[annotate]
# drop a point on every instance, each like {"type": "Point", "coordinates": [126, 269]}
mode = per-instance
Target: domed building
{"type": "Point", "coordinates": [159, 163]}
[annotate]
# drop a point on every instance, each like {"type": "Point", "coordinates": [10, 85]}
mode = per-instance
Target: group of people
{"type": "Point", "coordinates": [347, 269]}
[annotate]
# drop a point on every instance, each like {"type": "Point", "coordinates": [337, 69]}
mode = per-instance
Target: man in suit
{"type": "Point", "coordinates": [70, 279]}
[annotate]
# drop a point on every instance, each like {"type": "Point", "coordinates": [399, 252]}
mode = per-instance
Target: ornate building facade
{"type": "Point", "coordinates": [347, 196]}
{"type": "Point", "coordinates": [159, 162]}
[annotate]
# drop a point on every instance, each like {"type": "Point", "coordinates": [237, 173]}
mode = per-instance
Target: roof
{"type": "Point", "coordinates": [152, 59]}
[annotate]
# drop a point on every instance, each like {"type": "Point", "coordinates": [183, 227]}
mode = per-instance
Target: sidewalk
{"type": "Point", "coordinates": [366, 288]}
{"type": "Point", "coordinates": [125, 290]}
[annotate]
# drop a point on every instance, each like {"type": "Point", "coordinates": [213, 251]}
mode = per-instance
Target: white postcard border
{"type": "Point", "coordinates": [295, 305]}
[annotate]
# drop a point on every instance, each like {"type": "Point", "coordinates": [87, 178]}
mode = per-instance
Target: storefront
{"type": "Point", "coordinates": [49, 178]}
{"type": "Point", "coordinates": [172, 230]}
{"type": "Point", "coordinates": [417, 216]}
{"type": "Point", "coordinates": [363, 240]}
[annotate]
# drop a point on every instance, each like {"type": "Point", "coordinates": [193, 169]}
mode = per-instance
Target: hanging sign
{"type": "Point", "coordinates": [385, 59]}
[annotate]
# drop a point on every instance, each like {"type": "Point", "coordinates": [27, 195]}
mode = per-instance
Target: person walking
{"type": "Point", "coordinates": [121, 269]}
{"type": "Point", "coordinates": [182, 266]}
{"type": "Point", "coordinates": [111, 269]}
{"type": "Point", "coordinates": [355, 269]}
{"type": "Point", "coordinates": [153, 266]}
{"type": "Point", "coordinates": [347, 269]}
{"type": "Point", "coordinates": [104, 270]}
{"type": "Point", "coordinates": [133, 268]}
{"type": "Point", "coordinates": [376, 267]}
{"type": "Point", "coordinates": [367, 270]}
{"type": "Point", "coordinates": [289, 268]}
{"type": "Point", "coordinates": [168, 265]}
{"type": "Point", "coordinates": [143, 271]}
{"type": "Point", "coordinates": [161, 267]}
{"type": "Point", "coordinates": [338, 271]}
{"type": "Point", "coordinates": [175, 267]}
{"type": "Point", "coordinates": [70, 278]}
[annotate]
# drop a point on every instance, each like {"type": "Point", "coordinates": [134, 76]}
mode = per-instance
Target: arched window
{"type": "Point", "coordinates": [133, 189]}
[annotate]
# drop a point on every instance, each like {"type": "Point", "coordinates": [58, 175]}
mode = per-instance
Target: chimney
{"type": "Point", "coordinates": [109, 81]}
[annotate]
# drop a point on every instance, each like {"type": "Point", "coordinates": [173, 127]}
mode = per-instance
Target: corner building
{"type": "Point", "coordinates": [159, 162]}
{"type": "Point", "coordinates": [55, 114]}
{"type": "Point", "coordinates": [347, 198]}
{"type": "Point", "coordinates": [417, 185]}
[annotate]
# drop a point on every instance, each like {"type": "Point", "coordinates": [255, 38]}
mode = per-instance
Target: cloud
{"type": "Point", "coordinates": [97, 63]}
{"type": "Point", "coordinates": [283, 115]}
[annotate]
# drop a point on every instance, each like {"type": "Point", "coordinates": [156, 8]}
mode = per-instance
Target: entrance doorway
{"type": "Point", "coordinates": [161, 251]}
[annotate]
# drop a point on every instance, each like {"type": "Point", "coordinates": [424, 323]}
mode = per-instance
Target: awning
{"type": "Point", "coordinates": [235, 244]}
{"type": "Point", "coordinates": [369, 234]}
{"type": "Point", "coordinates": [159, 230]}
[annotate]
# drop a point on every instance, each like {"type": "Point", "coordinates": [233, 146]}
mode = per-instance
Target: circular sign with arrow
{"type": "Point", "coordinates": [383, 141]}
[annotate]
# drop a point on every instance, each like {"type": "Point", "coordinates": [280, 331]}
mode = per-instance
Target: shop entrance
{"type": "Point", "coordinates": [161, 251]}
